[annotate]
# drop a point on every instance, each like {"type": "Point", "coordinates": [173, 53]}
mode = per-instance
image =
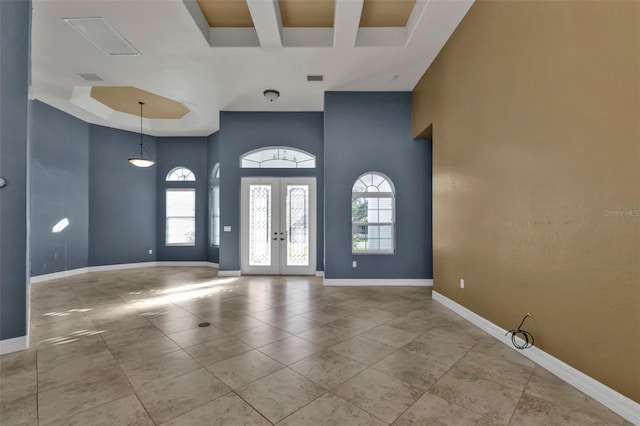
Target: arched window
{"type": "Point", "coordinates": [373, 215]}
{"type": "Point", "coordinates": [214, 205]}
{"type": "Point", "coordinates": [180, 174]}
{"type": "Point", "coordinates": [277, 157]}
{"type": "Point", "coordinates": [180, 208]}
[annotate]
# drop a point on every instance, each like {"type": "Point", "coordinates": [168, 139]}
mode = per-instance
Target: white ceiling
{"type": "Point", "coordinates": [177, 59]}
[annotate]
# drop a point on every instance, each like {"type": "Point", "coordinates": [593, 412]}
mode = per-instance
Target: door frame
{"type": "Point", "coordinates": [278, 252]}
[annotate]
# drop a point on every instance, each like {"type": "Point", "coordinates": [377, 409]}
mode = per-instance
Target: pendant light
{"type": "Point", "coordinates": [140, 161]}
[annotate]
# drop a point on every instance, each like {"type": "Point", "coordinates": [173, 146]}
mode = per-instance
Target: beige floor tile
{"type": "Point", "coordinates": [363, 350]}
{"type": "Point", "coordinates": [124, 411]}
{"type": "Point", "coordinates": [501, 365]}
{"type": "Point", "coordinates": [117, 339]}
{"type": "Point", "coordinates": [165, 312]}
{"type": "Point", "coordinates": [144, 350]}
{"type": "Point", "coordinates": [381, 395]}
{"type": "Point", "coordinates": [433, 410]}
{"type": "Point", "coordinates": [376, 315]}
{"type": "Point", "coordinates": [328, 368]}
{"type": "Point", "coordinates": [229, 410]}
{"type": "Point", "coordinates": [159, 368]}
{"type": "Point", "coordinates": [325, 335]}
{"type": "Point", "coordinates": [52, 355]}
{"type": "Point", "coordinates": [263, 335]}
{"type": "Point", "coordinates": [411, 369]}
{"type": "Point", "coordinates": [62, 330]}
{"type": "Point", "coordinates": [412, 325]}
{"type": "Point", "coordinates": [235, 325]}
{"type": "Point", "coordinates": [443, 353]}
{"type": "Point", "coordinates": [290, 350]}
{"type": "Point", "coordinates": [273, 314]}
{"type": "Point", "coordinates": [352, 325]}
{"type": "Point", "coordinates": [280, 394]}
{"type": "Point", "coordinates": [75, 370]}
{"type": "Point", "coordinates": [533, 411]}
{"type": "Point", "coordinates": [489, 399]}
{"type": "Point", "coordinates": [546, 386]}
{"type": "Point", "coordinates": [170, 398]}
{"type": "Point", "coordinates": [196, 336]}
{"type": "Point", "coordinates": [169, 326]}
{"type": "Point", "coordinates": [301, 307]}
{"type": "Point", "coordinates": [19, 412]}
{"type": "Point", "coordinates": [216, 350]}
{"type": "Point", "coordinates": [389, 336]}
{"type": "Point", "coordinates": [243, 369]}
{"type": "Point", "coordinates": [331, 410]}
{"type": "Point", "coordinates": [461, 334]}
{"type": "Point", "coordinates": [296, 324]}
{"type": "Point", "coordinates": [80, 396]}
{"type": "Point", "coordinates": [18, 376]}
{"type": "Point", "coordinates": [326, 314]}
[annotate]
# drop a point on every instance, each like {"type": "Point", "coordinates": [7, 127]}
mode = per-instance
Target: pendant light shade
{"type": "Point", "coordinates": [138, 158]}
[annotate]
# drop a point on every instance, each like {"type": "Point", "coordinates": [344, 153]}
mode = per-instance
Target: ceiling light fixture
{"type": "Point", "coordinates": [140, 161]}
{"type": "Point", "coordinates": [271, 94]}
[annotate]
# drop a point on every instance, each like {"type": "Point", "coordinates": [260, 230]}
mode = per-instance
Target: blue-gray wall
{"type": "Point", "coordinates": [245, 131]}
{"type": "Point", "coordinates": [192, 154]}
{"type": "Point", "coordinates": [122, 199]}
{"type": "Point", "coordinates": [59, 188]}
{"type": "Point", "coordinates": [372, 132]}
{"type": "Point", "coordinates": [213, 157]}
{"type": "Point", "coordinates": [14, 71]}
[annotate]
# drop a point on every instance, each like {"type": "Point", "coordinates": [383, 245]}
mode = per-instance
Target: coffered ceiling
{"type": "Point", "coordinates": [206, 56]}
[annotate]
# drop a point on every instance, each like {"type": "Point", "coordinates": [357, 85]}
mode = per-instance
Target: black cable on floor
{"type": "Point", "coordinates": [522, 334]}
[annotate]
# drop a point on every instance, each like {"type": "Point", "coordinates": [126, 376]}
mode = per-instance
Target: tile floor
{"type": "Point", "coordinates": [124, 348]}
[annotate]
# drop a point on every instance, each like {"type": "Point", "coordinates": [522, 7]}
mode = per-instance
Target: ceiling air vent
{"type": "Point", "coordinates": [100, 33]}
{"type": "Point", "coordinates": [91, 77]}
{"type": "Point", "coordinates": [315, 78]}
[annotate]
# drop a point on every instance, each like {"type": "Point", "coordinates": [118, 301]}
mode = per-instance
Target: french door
{"type": "Point", "coordinates": [278, 226]}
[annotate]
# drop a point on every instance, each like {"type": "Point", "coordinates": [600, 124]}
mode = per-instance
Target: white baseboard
{"type": "Point", "coordinates": [378, 282]}
{"type": "Point", "coordinates": [615, 401]}
{"type": "Point", "coordinates": [57, 275]}
{"type": "Point", "coordinates": [320, 274]}
{"type": "Point", "coordinates": [118, 267]}
{"type": "Point", "coordinates": [16, 344]}
{"type": "Point", "coordinates": [229, 273]}
{"type": "Point", "coordinates": [187, 263]}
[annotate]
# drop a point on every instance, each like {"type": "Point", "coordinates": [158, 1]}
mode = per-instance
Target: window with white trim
{"type": "Point", "coordinates": [373, 215]}
{"type": "Point", "coordinates": [214, 206]}
{"type": "Point", "coordinates": [278, 157]}
{"type": "Point", "coordinates": [180, 208]}
{"type": "Point", "coordinates": [180, 174]}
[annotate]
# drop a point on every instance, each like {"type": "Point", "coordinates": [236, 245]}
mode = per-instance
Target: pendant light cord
{"type": "Point", "coordinates": [141, 146]}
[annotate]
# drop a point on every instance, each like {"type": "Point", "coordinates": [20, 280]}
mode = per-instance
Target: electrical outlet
{"type": "Point", "coordinates": [461, 283]}
{"type": "Point", "coordinates": [150, 251]}
{"type": "Point", "coordinates": [227, 229]}
{"type": "Point", "coordinates": [354, 264]}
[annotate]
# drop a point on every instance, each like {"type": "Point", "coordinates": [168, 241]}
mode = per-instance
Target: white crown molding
{"type": "Point", "coordinates": [608, 397]}
{"type": "Point", "coordinates": [364, 282]}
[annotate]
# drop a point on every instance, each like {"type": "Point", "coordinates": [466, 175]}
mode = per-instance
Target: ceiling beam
{"type": "Point", "coordinates": [267, 21]}
{"type": "Point", "coordinates": [347, 22]}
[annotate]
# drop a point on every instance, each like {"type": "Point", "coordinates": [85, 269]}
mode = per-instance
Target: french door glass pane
{"type": "Point", "coordinates": [259, 225]}
{"type": "Point", "coordinates": [297, 225]}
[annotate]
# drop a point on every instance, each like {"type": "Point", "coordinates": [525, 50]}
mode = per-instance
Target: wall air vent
{"type": "Point", "coordinates": [91, 77]}
{"type": "Point", "coordinates": [315, 78]}
{"type": "Point", "coordinates": [103, 35]}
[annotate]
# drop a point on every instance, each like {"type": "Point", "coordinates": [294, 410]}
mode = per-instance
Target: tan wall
{"type": "Point", "coordinates": [535, 117]}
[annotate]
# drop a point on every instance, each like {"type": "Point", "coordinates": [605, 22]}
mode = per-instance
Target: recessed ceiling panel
{"type": "Point", "coordinates": [125, 99]}
{"type": "Point", "coordinates": [386, 13]}
{"type": "Point", "coordinates": [307, 13]}
{"type": "Point", "coordinates": [226, 13]}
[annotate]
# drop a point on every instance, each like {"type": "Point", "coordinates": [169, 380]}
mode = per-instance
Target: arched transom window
{"type": "Point", "coordinates": [277, 157]}
{"type": "Point", "coordinates": [373, 215]}
{"type": "Point", "coordinates": [180, 174]}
